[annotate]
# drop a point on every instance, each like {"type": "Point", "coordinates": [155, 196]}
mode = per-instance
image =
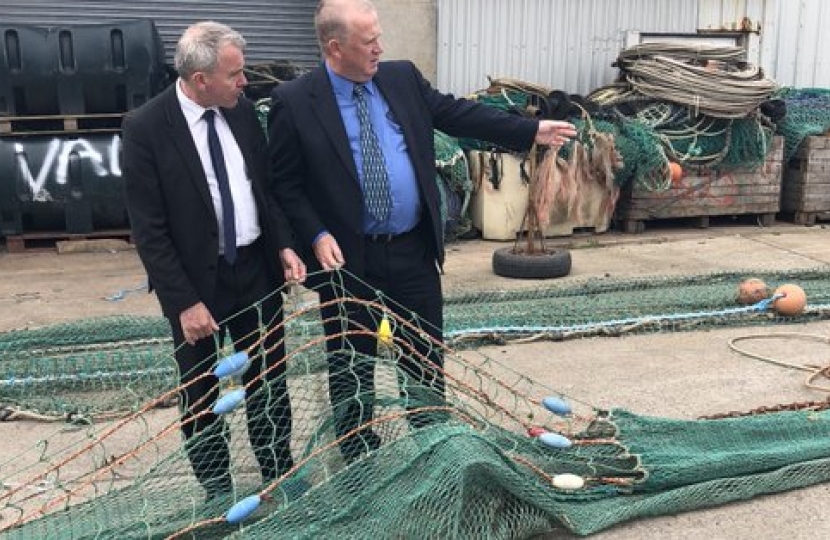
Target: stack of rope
{"type": "Point", "coordinates": [710, 80]}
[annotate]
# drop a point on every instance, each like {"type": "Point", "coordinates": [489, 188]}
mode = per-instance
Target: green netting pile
{"type": "Point", "coordinates": [807, 113]}
{"type": "Point", "coordinates": [75, 369]}
{"type": "Point", "coordinates": [703, 104]}
{"type": "Point", "coordinates": [508, 100]}
{"type": "Point", "coordinates": [639, 146]}
{"type": "Point", "coordinates": [469, 469]}
{"type": "Point", "coordinates": [643, 159]}
{"type": "Point", "coordinates": [696, 141]}
{"type": "Point", "coordinates": [706, 141]}
{"type": "Point", "coordinates": [620, 306]}
{"type": "Point", "coordinates": [455, 186]}
{"type": "Point", "coordinates": [649, 132]}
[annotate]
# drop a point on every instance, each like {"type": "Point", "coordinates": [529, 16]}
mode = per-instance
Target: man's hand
{"type": "Point", "coordinates": [554, 133]}
{"type": "Point", "coordinates": [292, 266]}
{"type": "Point", "coordinates": [197, 323]}
{"type": "Point", "coordinates": [328, 252]}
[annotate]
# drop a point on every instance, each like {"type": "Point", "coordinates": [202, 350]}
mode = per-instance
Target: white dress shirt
{"type": "Point", "coordinates": [244, 205]}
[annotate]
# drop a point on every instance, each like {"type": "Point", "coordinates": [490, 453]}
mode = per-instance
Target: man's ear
{"type": "Point", "coordinates": [199, 79]}
{"type": "Point", "coordinates": [333, 47]}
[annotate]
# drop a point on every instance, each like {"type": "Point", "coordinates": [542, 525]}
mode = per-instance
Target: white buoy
{"type": "Point", "coordinates": [568, 482]}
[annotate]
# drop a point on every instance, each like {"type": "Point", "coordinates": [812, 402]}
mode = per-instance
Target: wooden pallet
{"type": "Point", "coordinates": [766, 219]}
{"type": "Point", "coordinates": [47, 241]}
{"type": "Point", "coordinates": [698, 197]}
{"type": "Point", "coordinates": [805, 218]}
{"type": "Point", "coordinates": [805, 190]}
{"type": "Point", "coordinates": [54, 124]}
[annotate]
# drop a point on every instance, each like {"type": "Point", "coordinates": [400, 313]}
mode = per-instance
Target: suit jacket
{"type": "Point", "coordinates": [171, 213]}
{"type": "Point", "coordinates": [314, 173]}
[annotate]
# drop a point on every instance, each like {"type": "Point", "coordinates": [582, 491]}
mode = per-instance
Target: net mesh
{"type": "Point", "coordinates": [468, 469]}
{"type": "Point", "coordinates": [455, 186]}
{"type": "Point", "coordinates": [700, 106]}
{"type": "Point", "coordinates": [808, 113]}
{"type": "Point", "coordinates": [647, 132]}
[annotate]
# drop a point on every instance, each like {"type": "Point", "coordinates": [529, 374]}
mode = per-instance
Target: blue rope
{"type": "Point", "coordinates": [758, 307]}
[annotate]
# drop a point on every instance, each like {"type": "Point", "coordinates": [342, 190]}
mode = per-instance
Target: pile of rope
{"type": "Point", "coordinates": [710, 80]}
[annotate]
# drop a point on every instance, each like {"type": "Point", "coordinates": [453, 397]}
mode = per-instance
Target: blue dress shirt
{"type": "Point", "coordinates": [406, 203]}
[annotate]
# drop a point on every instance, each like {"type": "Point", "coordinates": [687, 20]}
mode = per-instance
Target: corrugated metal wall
{"type": "Point", "coordinates": [794, 44]}
{"type": "Point", "coordinates": [566, 44]}
{"type": "Point", "coordinates": [571, 44]}
{"type": "Point", "coordinates": [274, 30]}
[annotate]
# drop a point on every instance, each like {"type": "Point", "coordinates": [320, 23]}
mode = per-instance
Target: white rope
{"type": "Point", "coordinates": [680, 73]}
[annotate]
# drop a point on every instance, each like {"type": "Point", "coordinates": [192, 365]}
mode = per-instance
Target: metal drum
{"type": "Point", "coordinates": [69, 183]}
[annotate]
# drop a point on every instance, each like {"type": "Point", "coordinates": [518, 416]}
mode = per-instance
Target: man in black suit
{"type": "Point", "coordinates": [214, 245]}
{"type": "Point", "coordinates": [325, 161]}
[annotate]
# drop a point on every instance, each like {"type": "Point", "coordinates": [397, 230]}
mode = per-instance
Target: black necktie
{"type": "Point", "coordinates": [375, 176]}
{"type": "Point", "coordinates": [218, 159]}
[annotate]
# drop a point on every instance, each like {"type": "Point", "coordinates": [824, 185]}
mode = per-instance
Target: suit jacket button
{"type": "Point", "coordinates": [211, 267]}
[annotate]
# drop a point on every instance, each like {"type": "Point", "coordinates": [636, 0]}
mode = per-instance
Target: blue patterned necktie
{"type": "Point", "coordinates": [217, 157]}
{"type": "Point", "coordinates": [375, 176]}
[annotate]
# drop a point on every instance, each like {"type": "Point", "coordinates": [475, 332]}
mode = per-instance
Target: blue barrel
{"type": "Point", "coordinates": [70, 183]}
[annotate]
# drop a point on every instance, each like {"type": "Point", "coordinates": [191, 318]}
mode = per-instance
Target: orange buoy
{"type": "Point", "coordinates": [676, 172]}
{"type": "Point", "coordinates": [752, 291]}
{"type": "Point", "coordinates": [789, 300]}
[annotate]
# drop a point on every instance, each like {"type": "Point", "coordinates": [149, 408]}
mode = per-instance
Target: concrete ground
{"type": "Point", "coordinates": [680, 375]}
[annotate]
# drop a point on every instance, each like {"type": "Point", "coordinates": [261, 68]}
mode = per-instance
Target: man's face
{"type": "Point", "coordinates": [356, 58]}
{"type": "Point", "coordinates": [223, 86]}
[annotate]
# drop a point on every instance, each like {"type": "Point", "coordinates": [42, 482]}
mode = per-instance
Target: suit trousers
{"type": "Point", "coordinates": [403, 268]}
{"type": "Point", "coordinates": [240, 290]}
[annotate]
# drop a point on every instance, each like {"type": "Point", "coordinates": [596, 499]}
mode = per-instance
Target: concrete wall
{"type": "Point", "coordinates": [409, 32]}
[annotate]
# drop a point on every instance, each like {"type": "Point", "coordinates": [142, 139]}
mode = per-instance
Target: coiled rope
{"type": "Point", "coordinates": [710, 80]}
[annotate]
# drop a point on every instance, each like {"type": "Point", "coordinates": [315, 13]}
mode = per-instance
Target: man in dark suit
{"type": "Point", "coordinates": [327, 162]}
{"type": "Point", "coordinates": [214, 245]}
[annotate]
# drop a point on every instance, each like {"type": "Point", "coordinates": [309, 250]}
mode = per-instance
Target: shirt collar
{"type": "Point", "coordinates": [345, 88]}
{"type": "Point", "coordinates": [192, 111]}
